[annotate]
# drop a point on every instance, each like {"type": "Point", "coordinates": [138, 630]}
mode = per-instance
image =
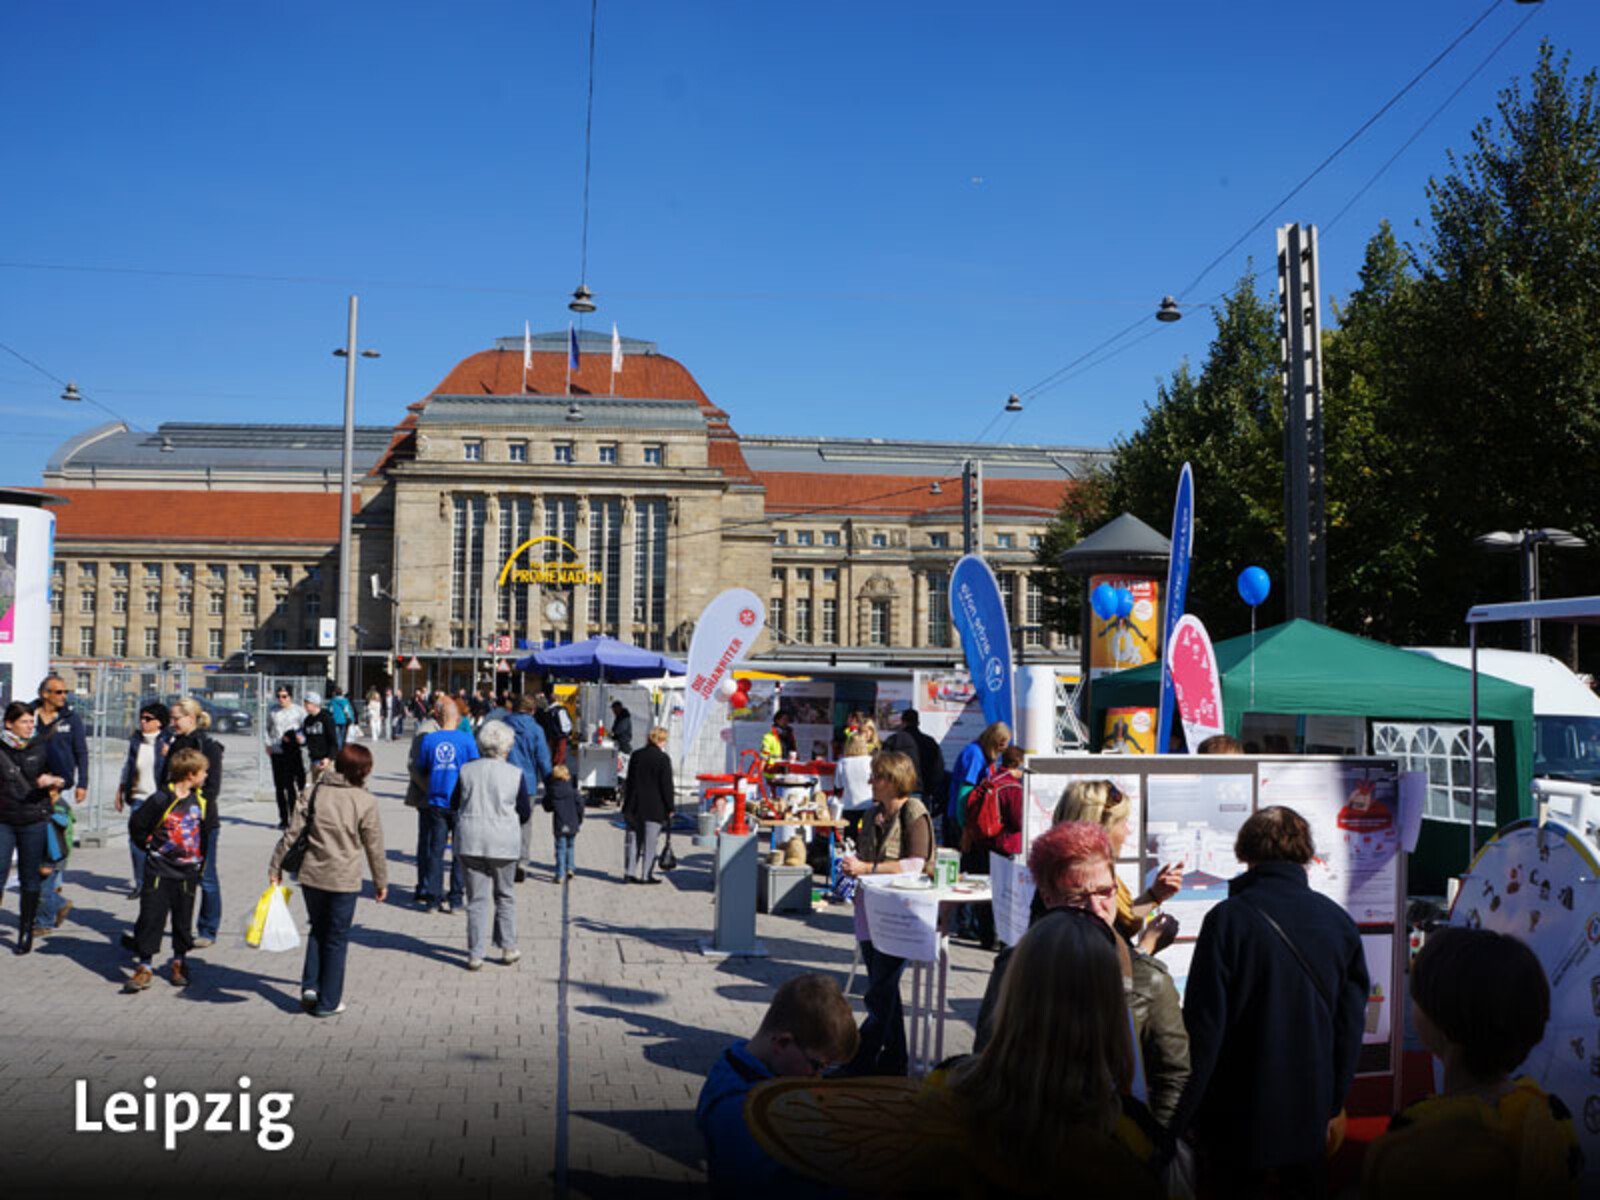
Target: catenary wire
{"type": "Point", "coordinates": [1341, 148]}
{"type": "Point", "coordinates": [1433, 116]}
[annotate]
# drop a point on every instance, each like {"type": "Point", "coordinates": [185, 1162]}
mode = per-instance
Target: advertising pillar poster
{"type": "Point", "coordinates": [1124, 642]}
{"type": "Point", "coordinates": [1354, 813]}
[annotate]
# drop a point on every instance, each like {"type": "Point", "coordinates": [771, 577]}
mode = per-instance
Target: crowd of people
{"type": "Point", "coordinates": [1086, 1065]}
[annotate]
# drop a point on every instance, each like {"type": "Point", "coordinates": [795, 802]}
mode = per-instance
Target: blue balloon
{"type": "Point", "coordinates": [1104, 601]}
{"type": "Point", "coordinates": [1255, 585]}
{"type": "Point", "coordinates": [1124, 602]}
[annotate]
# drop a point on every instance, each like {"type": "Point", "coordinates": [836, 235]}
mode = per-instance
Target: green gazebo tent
{"type": "Point", "coordinates": [1305, 668]}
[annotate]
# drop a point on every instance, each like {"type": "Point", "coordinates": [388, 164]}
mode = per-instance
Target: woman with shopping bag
{"type": "Point", "coordinates": [340, 821]}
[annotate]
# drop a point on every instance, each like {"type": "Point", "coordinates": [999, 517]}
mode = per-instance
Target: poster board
{"type": "Point", "coordinates": [949, 710]}
{"type": "Point", "coordinates": [1191, 808]}
{"type": "Point", "coordinates": [1124, 642]}
{"type": "Point", "coordinates": [811, 703]}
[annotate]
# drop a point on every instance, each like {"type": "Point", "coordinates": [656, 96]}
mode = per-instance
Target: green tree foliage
{"type": "Point", "coordinates": [1498, 396]}
{"type": "Point", "coordinates": [1082, 511]}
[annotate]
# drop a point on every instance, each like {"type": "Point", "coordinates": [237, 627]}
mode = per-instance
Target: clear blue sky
{"type": "Point", "coordinates": [859, 219]}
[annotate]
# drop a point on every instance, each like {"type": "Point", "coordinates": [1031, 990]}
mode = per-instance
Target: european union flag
{"type": "Point", "coordinates": [572, 348]}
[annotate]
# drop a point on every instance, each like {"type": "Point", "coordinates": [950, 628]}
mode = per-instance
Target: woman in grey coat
{"type": "Point", "coordinates": [492, 805]}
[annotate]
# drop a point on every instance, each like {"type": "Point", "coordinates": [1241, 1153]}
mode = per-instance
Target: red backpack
{"type": "Point", "coordinates": [983, 822]}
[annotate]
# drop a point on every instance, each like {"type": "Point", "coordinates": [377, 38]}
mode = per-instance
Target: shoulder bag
{"type": "Point", "coordinates": [295, 856]}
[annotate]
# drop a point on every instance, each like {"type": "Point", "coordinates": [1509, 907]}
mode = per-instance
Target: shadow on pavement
{"type": "Point", "coordinates": [691, 1048]}
{"type": "Point", "coordinates": [670, 1134]}
{"type": "Point", "coordinates": [603, 1187]}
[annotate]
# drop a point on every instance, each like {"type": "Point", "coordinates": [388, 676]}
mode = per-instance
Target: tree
{"type": "Point", "coordinates": [1082, 511]}
{"type": "Point", "coordinates": [1498, 398]}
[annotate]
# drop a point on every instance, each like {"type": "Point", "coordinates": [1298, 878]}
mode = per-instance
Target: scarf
{"type": "Point", "coordinates": [12, 740]}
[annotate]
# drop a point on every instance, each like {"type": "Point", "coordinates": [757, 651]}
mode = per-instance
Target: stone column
{"type": "Point", "coordinates": [580, 594]}
{"type": "Point", "coordinates": [919, 608]}
{"type": "Point", "coordinates": [626, 580]}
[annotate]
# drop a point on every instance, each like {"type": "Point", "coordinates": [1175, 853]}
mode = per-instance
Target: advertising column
{"type": "Point", "coordinates": [27, 546]}
{"type": "Point", "coordinates": [1120, 642]}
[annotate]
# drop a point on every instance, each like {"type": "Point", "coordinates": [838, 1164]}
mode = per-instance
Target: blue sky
{"type": "Point", "coordinates": [856, 219]}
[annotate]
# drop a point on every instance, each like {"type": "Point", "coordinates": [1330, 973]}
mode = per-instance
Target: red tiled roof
{"type": "Point", "coordinates": [643, 377]}
{"type": "Point", "coordinates": [163, 515]}
{"type": "Point", "coordinates": [904, 495]}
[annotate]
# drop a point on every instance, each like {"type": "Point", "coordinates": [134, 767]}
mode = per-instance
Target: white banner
{"type": "Point", "coordinates": [723, 635]}
{"type": "Point", "coordinates": [27, 546]}
{"type": "Point", "coordinates": [902, 921]}
{"type": "Point", "coordinates": [1012, 888]}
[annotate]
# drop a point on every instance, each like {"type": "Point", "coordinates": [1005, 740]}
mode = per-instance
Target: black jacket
{"type": "Point", "coordinates": [212, 749]}
{"type": "Point", "coordinates": [1272, 1047]}
{"type": "Point", "coordinates": [647, 795]}
{"type": "Point", "coordinates": [67, 743]}
{"type": "Point", "coordinates": [924, 754]}
{"type": "Point", "coordinates": [622, 731]}
{"type": "Point", "coordinates": [144, 827]}
{"type": "Point", "coordinates": [22, 801]}
{"type": "Point", "coordinates": [322, 735]}
{"type": "Point", "coordinates": [561, 799]}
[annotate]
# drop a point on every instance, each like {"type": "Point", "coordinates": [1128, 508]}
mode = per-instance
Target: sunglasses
{"type": "Point", "coordinates": [55, 691]}
{"type": "Point", "coordinates": [148, 717]}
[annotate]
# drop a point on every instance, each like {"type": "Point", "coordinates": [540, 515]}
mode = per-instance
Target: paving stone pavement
{"type": "Point", "coordinates": [437, 1082]}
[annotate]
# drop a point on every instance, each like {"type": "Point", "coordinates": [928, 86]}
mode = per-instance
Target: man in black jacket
{"type": "Point", "coordinates": [61, 731]}
{"type": "Point", "coordinates": [1275, 1008]}
{"type": "Point", "coordinates": [647, 803]}
{"type": "Point", "coordinates": [321, 734]}
{"type": "Point", "coordinates": [924, 753]}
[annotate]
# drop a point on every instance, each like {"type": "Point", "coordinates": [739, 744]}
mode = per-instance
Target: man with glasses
{"type": "Point", "coordinates": [62, 732]}
{"type": "Point", "coordinates": [284, 737]}
{"type": "Point", "coordinates": [807, 1030]}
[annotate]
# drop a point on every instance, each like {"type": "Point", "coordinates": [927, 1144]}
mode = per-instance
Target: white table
{"type": "Point", "coordinates": [929, 980]}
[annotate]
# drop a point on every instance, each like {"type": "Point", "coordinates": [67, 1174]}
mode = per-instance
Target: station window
{"type": "Point", "coordinates": [608, 453]}
{"type": "Point", "coordinates": [655, 456]}
{"type": "Point", "coordinates": [802, 537]}
{"type": "Point", "coordinates": [517, 452]}
{"type": "Point", "coordinates": [472, 451]}
{"type": "Point", "coordinates": [564, 452]}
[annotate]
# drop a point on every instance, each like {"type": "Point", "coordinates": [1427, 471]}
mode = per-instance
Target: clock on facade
{"type": "Point", "coordinates": [556, 611]}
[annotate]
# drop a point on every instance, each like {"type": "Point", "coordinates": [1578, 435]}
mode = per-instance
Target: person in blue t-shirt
{"type": "Point", "coordinates": [808, 1028]}
{"type": "Point", "coordinates": [440, 757]}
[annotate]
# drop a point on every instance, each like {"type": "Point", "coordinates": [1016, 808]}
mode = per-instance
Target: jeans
{"type": "Point", "coordinates": [27, 842]}
{"type": "Point", "coordinates": [527, 841]}
{"type": "Point", "coordinates": [438, 826]}
{"type": "Point", "coordinates": [639, 850]}
{"type": "Point", "coordinates": [327, 943]}
{"type": "Point", "coordinates": [564, 856]}
{"type": "Point", "coordinates": [341, 734]}
{"type": "Point", "coordinates": [136, 857]}
{"type": "Point", "coordinates": [50, 900]}
{"type": "Point", "coordinates": [210, 918]}
{"type": "Point", "coordinates": [883, 1048]}
{"type": "Point", "coordinates": [490, 882]}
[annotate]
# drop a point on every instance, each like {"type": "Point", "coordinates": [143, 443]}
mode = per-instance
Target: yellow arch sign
{"type": "Point", "coordinates": [547, 574]}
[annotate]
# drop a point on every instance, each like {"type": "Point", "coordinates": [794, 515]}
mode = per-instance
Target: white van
{"type": "Point", "coordinates": [1566, 725]}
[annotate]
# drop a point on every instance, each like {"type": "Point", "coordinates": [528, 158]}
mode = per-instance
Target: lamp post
{"type": "Point", "coordinates": [1528, 541]}
{"type": "Point", "coordinates": [341, 665]}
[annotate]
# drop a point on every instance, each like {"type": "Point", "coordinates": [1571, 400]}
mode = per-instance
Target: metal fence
{"type": "Point", "coordinates": [237, 705]}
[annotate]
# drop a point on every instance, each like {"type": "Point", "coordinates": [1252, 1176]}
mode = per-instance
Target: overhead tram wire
{"type": "Point", "coordinates": [1342, 147]}
{"type": "Point", "coordinates": [1432, 117]}
{"type": "Point", "coordinates": [60, 382]}
{"type": "Point", "coordinates": [588, 148]}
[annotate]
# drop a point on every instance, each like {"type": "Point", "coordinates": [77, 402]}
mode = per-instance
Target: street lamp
{"type": "Point", "coordinates": [1169, 310]}
{"type": "Point", "coordinates": [341, 666]}
{"type": "Point", "coordinates": [72, 394]}
{"type": "Point", "coordinates": [1528, 542]}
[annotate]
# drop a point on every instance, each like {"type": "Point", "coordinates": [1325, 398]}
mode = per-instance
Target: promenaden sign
{"type": "Point", "coordinates": [979, 616]}
{"type": "Point", "coordinates": [562, 574]}
{"type": "Point", "coordinates": [723, 635]}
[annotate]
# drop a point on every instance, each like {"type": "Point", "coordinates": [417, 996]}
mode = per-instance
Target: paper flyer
{"type": "Point", "coordinates": [1012, 888]}
{"type": "Point", "coordinates": [902, 921]}
{"type": "Point", "coordinates": [1355, 824]}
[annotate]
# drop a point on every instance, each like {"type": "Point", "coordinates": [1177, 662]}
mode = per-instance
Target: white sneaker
{"type": "Point", "coordinates": [474, 964]}
{"type": "Point", "coordinates": [444, 907]}
{"type": "Point", "coordinates": [511, 956]}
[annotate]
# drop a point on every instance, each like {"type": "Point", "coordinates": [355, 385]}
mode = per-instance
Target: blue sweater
{"type": "Point", "coordinates": [735, 1165]}
{"type": "Point", "coordinates": [440, 756]}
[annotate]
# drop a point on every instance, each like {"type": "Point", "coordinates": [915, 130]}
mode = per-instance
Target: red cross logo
{"type": "Point", "coordinates": [747, 616]}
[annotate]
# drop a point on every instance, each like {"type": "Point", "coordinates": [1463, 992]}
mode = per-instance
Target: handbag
{"type": "Point", "coordinates": [296, 854]}
{"type": "Point", "coordinates": [667, 860]}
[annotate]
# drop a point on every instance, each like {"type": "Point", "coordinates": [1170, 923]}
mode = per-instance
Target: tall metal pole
{"type": "Point", "coordinates": [972, 506]}
{"type": "Point", "coordinates": [341, 666]}
{"type": "Point", "coordinates": [1300, 332]}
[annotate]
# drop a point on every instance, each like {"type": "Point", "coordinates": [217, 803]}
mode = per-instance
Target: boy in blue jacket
{"type": "Point", "coordinates": [808, 1028]}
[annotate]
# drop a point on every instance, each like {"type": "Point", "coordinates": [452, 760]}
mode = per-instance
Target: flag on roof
{"type": "Point", "coordinates": [572, 347]}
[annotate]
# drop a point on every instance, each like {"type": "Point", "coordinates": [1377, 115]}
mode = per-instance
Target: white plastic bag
{"type": "Point", "coordinates": [280, 932]}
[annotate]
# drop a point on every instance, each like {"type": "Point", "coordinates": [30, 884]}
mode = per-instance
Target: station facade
{"type": "Point", "coordinates": [513, 508]}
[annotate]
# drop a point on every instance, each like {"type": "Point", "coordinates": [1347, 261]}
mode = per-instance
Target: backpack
{"type": "Point", "coordinates": [60, 832]}
{"type": "Point", "coordinates": [343, 714]}
{"type": "Point", "coordinates": [983, 822]}
{"type": "Point", "coordinates": [563, 720]}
